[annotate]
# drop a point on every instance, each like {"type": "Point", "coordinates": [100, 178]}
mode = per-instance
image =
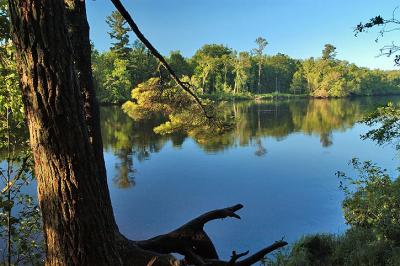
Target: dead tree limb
{"type": "Point", "coordinates": [191, 241]}
{"type": "Point", "coordinates": [184, 85]}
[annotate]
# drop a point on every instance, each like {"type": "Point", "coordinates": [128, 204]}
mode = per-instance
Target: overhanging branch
{"type": "Point", "coordinates": [184, 85]}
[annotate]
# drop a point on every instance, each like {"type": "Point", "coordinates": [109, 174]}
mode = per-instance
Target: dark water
{"type": "Point", "coordinates": [279, 162]}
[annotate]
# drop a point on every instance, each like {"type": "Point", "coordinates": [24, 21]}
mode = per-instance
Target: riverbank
{"type": "Point", "coordinates": [219, 97]}
{"type": "Point", "coordinates": [277, 96]}
{"type": "Point", "coordinates": [248, 96]}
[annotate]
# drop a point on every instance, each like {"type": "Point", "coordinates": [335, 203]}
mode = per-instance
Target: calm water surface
{"type": "Point", "coordinates": [279, 162]}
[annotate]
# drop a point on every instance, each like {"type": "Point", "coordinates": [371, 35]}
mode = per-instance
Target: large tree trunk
{"type": "Point", "coordinates": [78, 29]}
{"type": "Point", "coordinates": [53, 56]}
{"type": "Point", "coordinates": [79, 225]}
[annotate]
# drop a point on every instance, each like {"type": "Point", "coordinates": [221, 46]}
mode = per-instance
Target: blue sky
{"type": "Point", "coordinates": [299, 28]}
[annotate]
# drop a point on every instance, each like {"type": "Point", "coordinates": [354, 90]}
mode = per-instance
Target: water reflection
{"type": "Point", "coordinates": [261, 150]}
{"type": "Point", "coordinates": [124, 170]}
{"type": "Point", "coordinates": [129, 140]}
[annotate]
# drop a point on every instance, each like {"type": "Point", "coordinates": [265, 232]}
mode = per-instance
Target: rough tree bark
{"type": "Point", "coordinates": [53, 56]}
{"type": "Point", "coordinates": [71, 191]}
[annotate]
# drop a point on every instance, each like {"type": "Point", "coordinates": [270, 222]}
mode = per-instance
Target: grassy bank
{"type": "Point", "coordinates": [357, 246]}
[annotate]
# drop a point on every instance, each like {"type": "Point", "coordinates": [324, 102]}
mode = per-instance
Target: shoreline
{"type": "Point", "coordinates": [261, 97]}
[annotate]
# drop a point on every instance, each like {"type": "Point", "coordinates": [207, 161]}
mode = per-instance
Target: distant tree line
{"type": "Point", "coordinates": [218, 69]}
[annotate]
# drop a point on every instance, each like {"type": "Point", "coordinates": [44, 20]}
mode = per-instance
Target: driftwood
{"type": "Point", "coordinates": [191, 241]}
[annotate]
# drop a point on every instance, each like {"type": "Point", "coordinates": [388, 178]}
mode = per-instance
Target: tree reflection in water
{"type": "Point", "coordinates": [131, 140]}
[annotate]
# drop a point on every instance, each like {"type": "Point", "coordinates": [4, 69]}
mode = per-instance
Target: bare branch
{"type": "Point", "coordinates": [236, 256]}
{"type": "Point", "coordinates": [11, 183]}
{"type": "Point", "coordinates": [200, 221]}
{"type": "Point", "coordinates": [118, 5]}
{"type": "Point", "coordinates": [261, 254]}
{"type": "Point", "coordinates": [387, 26]}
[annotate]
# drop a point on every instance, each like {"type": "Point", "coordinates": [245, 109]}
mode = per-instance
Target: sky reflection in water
{"type": "Point", "coordinates": [279, 162]}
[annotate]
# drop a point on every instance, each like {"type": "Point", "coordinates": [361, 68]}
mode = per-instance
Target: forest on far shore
{"type": "Point", "coordinates": [216, 69]}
